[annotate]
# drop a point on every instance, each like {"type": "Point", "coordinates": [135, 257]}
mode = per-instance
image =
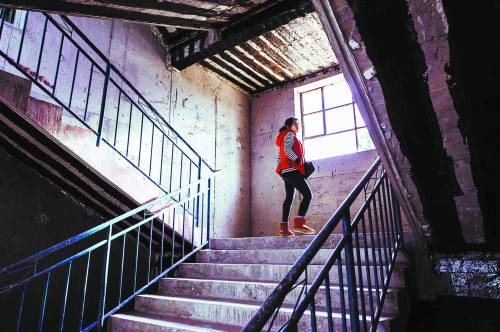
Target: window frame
{"type": "Point", "coordinates": [320, 85]}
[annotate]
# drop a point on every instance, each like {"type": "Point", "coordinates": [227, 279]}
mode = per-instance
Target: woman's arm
{"type": "Point", "coordinates": [288, 147]}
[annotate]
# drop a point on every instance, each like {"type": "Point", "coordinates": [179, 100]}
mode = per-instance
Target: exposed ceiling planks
{"type": "Point", "coordinates": [256, 44]}
{"type": "Point", "coordinates": [184, 14]}
{"type": "Point", "coordinates": [291, 51]}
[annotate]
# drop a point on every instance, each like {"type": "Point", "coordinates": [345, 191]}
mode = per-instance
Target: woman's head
{"type": "Point", "coordinates": [291, 124]}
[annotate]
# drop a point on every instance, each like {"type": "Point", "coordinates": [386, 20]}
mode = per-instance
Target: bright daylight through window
{"type": "Point", "coordinates": [331, 122]}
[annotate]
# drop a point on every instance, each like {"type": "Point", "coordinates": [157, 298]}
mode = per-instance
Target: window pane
{"type": "Point", "coordinates": [313, 124]}
{"type": "Point", "coordinates": [337, 94]}
{"type": "Point", "coordinates": [359, 119]}
{"type": "Point", "coordinates": [329, 146]}
{"type": "Point", "coordinates": [339, 119]}
{"type": "Point", "coordinates": [311, 101]}
{"type": "Point", "coordinates": [364, 140]}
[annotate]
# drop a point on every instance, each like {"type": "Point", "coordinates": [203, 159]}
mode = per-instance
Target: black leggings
{"type": "Point", "coordinates": [295, 180]}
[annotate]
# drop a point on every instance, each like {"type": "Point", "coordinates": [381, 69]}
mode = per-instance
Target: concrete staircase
{"type": "Point", "coordinates": [229, 282]}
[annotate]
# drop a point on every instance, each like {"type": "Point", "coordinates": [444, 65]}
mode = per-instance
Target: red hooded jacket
{"type": "Point", "coordinates": [284, 161]}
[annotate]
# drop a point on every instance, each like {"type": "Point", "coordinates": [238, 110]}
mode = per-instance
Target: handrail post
{"type": "Point", "coordinates": [209, 194]}
{"type": "Point", "coordinates": [103, 103]}
{"type": "Point", "coordinates": [350, 273]}
{"type": "Point", "coordinates": [397, 216]}
{"type": "Point", "coordinates": [104, 285]}
{"type": "Point", "coordinates": [198, 192]}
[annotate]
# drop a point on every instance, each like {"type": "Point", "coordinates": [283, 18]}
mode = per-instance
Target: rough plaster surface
{"type": "Point", "coordinates": [209, 113]}
{"type": "Point", "coordinates": [330, 184]}
{"type": "Point", "coordinates": [432, 29]}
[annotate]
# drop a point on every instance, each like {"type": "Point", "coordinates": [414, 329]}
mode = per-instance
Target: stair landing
{"type": "Point", "coordinates": [229, 282]}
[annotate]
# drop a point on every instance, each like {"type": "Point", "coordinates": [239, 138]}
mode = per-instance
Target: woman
{"type": "Point", "coordinates": [291, 169]}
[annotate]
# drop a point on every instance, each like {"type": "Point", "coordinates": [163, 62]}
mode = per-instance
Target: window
{"type": "Point", "coordinates": [13, 16]}
{"type": "Point", "coordinates": [331, 122]}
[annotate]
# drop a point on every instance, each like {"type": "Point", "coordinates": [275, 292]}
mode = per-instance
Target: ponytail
{"type": "Point", "coordinates": [288, 123]}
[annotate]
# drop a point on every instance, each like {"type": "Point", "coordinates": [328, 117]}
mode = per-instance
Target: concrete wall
{"type": "Point", "coordinates": [210, 113]}
{"type": "Point", "coordinates": [332, 181]}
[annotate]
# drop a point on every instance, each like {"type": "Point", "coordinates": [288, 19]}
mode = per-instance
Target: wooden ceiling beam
{"type": "Point", "coordinates": [82, 9]}
{"type": "Point", "coordinates": [251, 24]}
{"type": "Point", "coordinates": [155, 5]}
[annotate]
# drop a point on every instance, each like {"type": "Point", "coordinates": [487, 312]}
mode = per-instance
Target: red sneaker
{"type": "Point", "coordinates": [299, 226]}
{"type": "Point", "coordinates": [285, 230]}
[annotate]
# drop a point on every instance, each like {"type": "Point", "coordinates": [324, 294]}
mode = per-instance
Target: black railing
{"type": "Point", "coordinates": [65, 66]}
{"type": "Point", "coordinates": [76, 284]}
{"type": "Point", "coordinates": [372, 236]}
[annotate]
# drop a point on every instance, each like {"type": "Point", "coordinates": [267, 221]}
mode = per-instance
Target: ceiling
{"type": "Point", "coordinates": [255, 44]}
{"type": "Point", "coordinates": [185, 14]}
{"type": "Point", "coordinates": [294, 50]}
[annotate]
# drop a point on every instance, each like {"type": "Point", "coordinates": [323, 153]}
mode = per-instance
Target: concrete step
{"type": "Point", "coordinates": [270, 256]}
{"type": "Point", "coordinates": [270, 272]}
{"type": "Point", "coordinates": [140, 322]}
{"type": "Point", "coordinates": [257, 292]}
{"type": "Point", "coordinates": [230, 313]}
{"type": "Point", "coordinates": [277, 242]}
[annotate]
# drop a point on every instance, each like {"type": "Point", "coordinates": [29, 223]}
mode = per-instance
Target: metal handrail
{"type": "Point", "coordinates": [267, 313]}
{"type": "Point", "coordinates": [132, 87]}
{"type": "Point", "coordinates": [151, 211]}
{"type": "Point", "coordinates": [149, 163]}
{"type": "Point", "coordinates": [111, 222]}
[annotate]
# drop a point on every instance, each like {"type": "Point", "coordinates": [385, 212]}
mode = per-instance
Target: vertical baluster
{"type": "Point", "coordinates": [21, 305]}
{"type": "Point", "coordinates": [117, 115]}
{"type": "Point", "coordinates": [341, 290]}
{"type": "Point", "coordinates": [42, 45]}
{"type": "Point", "coordinates": [379, 242]}
{"type": "Point", "coordinates": [103, 103]}
{"type": "Point", "coordinates": [162, 239]}
{"type": "Point", "coordinates": [374, 253]}
{"type": "Point", "coordinates": [59, 55]}
{"type": "Point", "coordinates": [198, 191]}
{"type": "Point", "coordinates": [140, 140]}
{"type": "Point", "coordinates": [129, 125]}
{"type": "Point", "coordinates": [382, 229]}
{"type": "Point", "coordinates": [209, 194]}
{"type": "Point", "coordinates": [44, 302]}
{"type": "Point", "coordinates": [360, 277]}
{"type": "Point", "coordinates": [173, 236]}
{"type": "Point", "coordinates": [23, 34]}
{"type": "Point", "coordinates": [368, 272]}
{"type": "Point", "coordinates": [89, 87]}
{"type": "Point", "coordinates": [397, 219]}
{"type": "Point", "coordinates": [180, 174]}
{"type": "Point", "coordinates": [104, 283]}
{"type": "Point", "coordinates": [192, 225]}
{"type": "Point", "coordinates": [150, 247]}
{"type": "Point", "coordinates": [152, 145]}
{"type": "Point", "coordinates": [202, 218]}
{"type": "Point", "coordinates": [75, 69]}
{"type": "Point", "coordinates": [312, 308]}
{"type": "Point", "coordinates": [171, 168]}
{"type": "Point", "coordinates": [391, 211]}
{"type": "Point", "coordinates": [183, 226]}
{"type": "Point", "coordinates": [136, 256]}
{"type": "Point", "coordinates": [65, 300]}
{"type": "Point", "coordinates": [329, 306]}
{"type": "Point", "coordinates": [84, 295]}
{"type": "Point", "coordinates": [161, 159]}
{"type": "Point", "coordinates": [390, 239]}
{"type": "Point", "coordinates": [120, 286]}
{"type": "Point", "coordinates": [350, 272]}
{"type": "Point", "coordinates": [3, 13]}
{"type": "Point", "coordinates": [189, 183]}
